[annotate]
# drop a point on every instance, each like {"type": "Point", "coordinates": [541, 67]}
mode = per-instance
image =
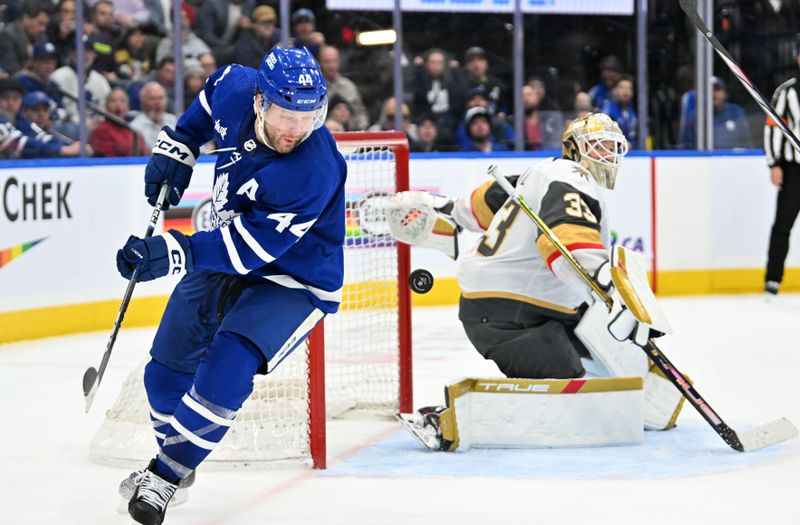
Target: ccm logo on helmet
{"type": "Point", "coordinates": [306, 100]}
{"type": "Point", "coordinates": [271, 60]}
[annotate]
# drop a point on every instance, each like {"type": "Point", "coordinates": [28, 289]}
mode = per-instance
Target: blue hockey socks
{"type": "Point", "coordinates": [204, 414]}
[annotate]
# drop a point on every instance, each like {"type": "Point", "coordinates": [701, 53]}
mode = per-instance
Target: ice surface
{"type": "Point", "coordinates": [741, 351]}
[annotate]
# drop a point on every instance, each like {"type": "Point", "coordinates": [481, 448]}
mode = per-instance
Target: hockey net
{"type": "Point", "coordinates": [364, 349]}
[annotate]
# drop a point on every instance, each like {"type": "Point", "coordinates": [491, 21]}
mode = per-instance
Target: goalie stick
{"type": "Point", "coordinates": [690, 8]}
{"type": "Point", "coordinates": [763, 436]}
{"type": "Point", "coordinates": [93, 376]}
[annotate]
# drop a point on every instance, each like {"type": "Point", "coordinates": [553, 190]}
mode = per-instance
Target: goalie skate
{"type": "Point", "coordinates": [426, 435]}
{"type": "Point", "coordinates": [424, 425]}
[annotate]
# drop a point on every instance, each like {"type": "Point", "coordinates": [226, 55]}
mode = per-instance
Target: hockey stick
{"type": "Point", "coordinates": [690, 8]}
{"type": "Point", "coordinates": [769, 434]}
{"type": "Point", "coordinates": [93, 376]}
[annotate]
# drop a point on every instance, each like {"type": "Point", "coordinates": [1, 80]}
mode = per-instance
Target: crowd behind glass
{"type": "Point", "coordinates": [456, 80]}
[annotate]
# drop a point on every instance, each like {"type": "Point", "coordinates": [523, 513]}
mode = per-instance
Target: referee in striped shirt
{"type": "Point", "coordinates": [784, 164]}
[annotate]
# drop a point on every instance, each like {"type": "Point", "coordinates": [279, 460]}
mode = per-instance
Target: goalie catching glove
{"type": "Point", "coordinates": [172, 161]}
{"type": "Point", "coordinates": [635, 314]}
{"type": "Point", "coordinates": [160, 255]}
{"type": "Point", "coordinates": [421, 219]}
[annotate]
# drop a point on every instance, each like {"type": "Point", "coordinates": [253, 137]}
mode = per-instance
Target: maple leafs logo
{"type": "Point", "coordinates": [219, 215]}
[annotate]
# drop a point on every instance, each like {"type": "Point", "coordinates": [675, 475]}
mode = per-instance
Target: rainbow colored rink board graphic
{"type": "Point", "coordinates": [9, 254]}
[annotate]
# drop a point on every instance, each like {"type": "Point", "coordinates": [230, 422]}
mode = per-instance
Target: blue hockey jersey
{"type": "Point", "coordinates": [275, 216]}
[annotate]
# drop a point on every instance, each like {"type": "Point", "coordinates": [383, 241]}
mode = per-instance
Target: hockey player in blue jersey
{"type": "Point", "coordinates": [256, 284]}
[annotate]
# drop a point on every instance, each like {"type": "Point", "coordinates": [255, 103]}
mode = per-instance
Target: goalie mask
{"type": "Point", "coordinates": [291, 100]}
{"type": "Point", "coordinates": [596, 143]}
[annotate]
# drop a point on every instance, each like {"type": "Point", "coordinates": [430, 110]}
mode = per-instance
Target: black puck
{"type": "Point", "coordinates": [421, 281]}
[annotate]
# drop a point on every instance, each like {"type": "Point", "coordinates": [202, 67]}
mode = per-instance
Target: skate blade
{"type": "Point", "coordinates": [181, 496]}
{"type": "Point", "coordinates": [426, 440]}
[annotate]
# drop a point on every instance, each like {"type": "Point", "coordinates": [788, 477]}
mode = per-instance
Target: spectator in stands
{"type": "Point", "coordinates": [582, 105]}
{"type": "Point", "coordinates": [610, 71]}
{"type": "Point", "coordinates": [476, 73]}
{"type": "Point", "coordinates": [209, 63]}
{"type": "Point", "coordinates": [36, 76]}
{"type": "Point", "coordinates": [438, 90]}
{"type": "Point", "coordinates": [253, 44]}
{"type": "Point", "coordinates": [220, 23]}
{"type": "Point", "coordinates": [11, 93]}
{"type": "Point", "coordinates": [386, 120]}
{"type": "Point", "coordinates": [373, 76]}
{"type": "Point", "coordinates": [539, 85]}
{"type": "Point", "coordinates": [479, 129]}
{"type": "Point", "coordinates": [194, 79]}
{"type": "Point", "coordinates": [339, 85]}
{"type": "Point", "coordinates": [620, 108]}
{"type": "Point", "coordinates": [191, 45]}
{"type": "Point", "coordinates": [340, 111]}
{"type": "Point", "coordinates": [164, 74]}
{"type": "Point", "coordinates": [304, 31]}
{"type": "Point", "coordinates": [61, 30]}
{"type": "Point", "coordinates": [34, 122]}
{"type": "Point", "coordinates": [731, 129]}
{"type": "Point", "coordinates": [133, 60]}
{"type": "Point", "coordinates": [97, 87]}
{"type": "Point", "coordinates": [501, 129]}
{"type": "Point", "coordinates": [112, 139]}
{"type": "Point", "coordinates": [36, 108]}
{"type": "Point", "coordinates": [13, 142]}
{"type": "Point", "coordinates": [542, 129]}
{"type": "Point", "coordinates": [103, 34]}
{"type": "Point", "coordinates": [18, 38]}
{"type": "Point", "coordinates": [153, 115]}
{"type": "Point", "coordinates": [428, 136]}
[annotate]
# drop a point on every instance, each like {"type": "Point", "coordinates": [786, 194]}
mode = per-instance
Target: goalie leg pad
{"type": "Point", "coordinates": [662, 401]}
{"type": "Point", "coordinates": [533, 413]}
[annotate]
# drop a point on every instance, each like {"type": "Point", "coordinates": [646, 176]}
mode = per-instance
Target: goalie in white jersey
{"type": "Point", "coordinates": [521, 300]}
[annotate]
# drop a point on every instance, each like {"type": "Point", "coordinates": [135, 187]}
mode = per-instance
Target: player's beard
{"type": "Point", "coordinates": [269, 138]}
{"type": "Point", "coordinates": [281, 143]}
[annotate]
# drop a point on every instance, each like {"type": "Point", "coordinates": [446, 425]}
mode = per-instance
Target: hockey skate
{"type": "Point", "coordinates": [149, 502]}
{"type": "Point", "coordinates": [424, 425]}
{"type": "Point", "coordinates": [128, 486]}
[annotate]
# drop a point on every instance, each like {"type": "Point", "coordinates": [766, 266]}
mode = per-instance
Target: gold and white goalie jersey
{"type": "Point", "coordinates": [513, 260]}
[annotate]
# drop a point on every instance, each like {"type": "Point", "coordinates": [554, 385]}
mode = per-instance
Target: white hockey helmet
{"type": "Point", "coordinates": [595, 142]}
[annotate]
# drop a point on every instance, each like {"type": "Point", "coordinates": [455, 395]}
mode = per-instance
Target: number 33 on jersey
{"type": "Point", "coordinates": [513, 259]}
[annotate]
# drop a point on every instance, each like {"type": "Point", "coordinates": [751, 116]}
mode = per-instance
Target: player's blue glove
{"type": "Point", "coordinates": [172, 161]}
{"type": "Point", "coordinates": [161, 255]}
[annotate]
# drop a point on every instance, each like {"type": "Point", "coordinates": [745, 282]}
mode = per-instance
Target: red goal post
{"type": "Point", "coordinates": [367, 146]}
